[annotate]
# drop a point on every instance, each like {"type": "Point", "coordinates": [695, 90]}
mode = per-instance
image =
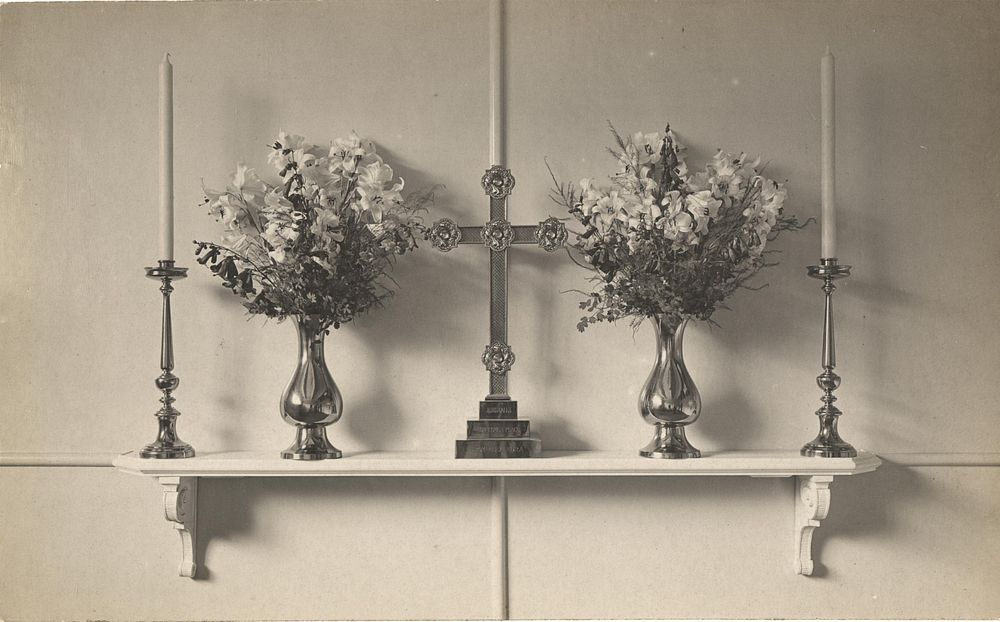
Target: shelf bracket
{"type": "Point", "coordinates": [812, 503]}
{"type": "Point", "coordinates": [180, 505]}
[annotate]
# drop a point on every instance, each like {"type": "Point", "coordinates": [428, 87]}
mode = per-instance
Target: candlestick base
{"type": "Point", "coordinates": [812, 450]}
{"type": "Point", "coordinates": [160, 451]}
{"type": "Point", "coordinates": [828, 443]}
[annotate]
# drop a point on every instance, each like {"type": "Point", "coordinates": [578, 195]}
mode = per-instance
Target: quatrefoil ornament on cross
{"type": "Point", "coordinates": [498, 358]}
{"type": "Point", "coordinates": [551, 234]}
{"type": "Point", "coordinates": [498, 235]}
{"type": "Point", "coordinates": [498, 182]}
{"type": "Point", "coordinates": [445, 235]}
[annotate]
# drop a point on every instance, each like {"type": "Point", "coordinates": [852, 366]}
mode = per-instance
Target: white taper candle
{"type": "Point", "coordinates": [496, 83]}
{"type": "Point", "coordinates": [828, 180]}
{"type": "Point", "coordinates": [166, 159]}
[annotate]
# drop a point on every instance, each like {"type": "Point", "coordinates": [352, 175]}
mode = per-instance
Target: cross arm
{"type": "Point", "coordinates": [498, 234]}
{"type": "Point", "coordinates": [471, 235]}
{"type": "Point", "coordinates": [523, 234]}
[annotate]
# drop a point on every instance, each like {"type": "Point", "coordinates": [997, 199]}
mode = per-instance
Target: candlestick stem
{"type": "Point", "coordinates": [828, 443]}
{"type": "Point", "coordinates": [167, 443]}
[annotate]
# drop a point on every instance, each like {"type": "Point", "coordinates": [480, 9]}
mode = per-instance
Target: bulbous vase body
{"type": "Point", "coordinates": [669, 400]}
{"type": "Point", "coordinates": [311, 400]}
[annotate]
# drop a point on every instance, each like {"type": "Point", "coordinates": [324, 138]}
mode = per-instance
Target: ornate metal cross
{"type": "Point", "coordinates": [498, 433]}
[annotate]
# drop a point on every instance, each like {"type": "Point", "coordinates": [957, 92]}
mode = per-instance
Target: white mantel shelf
{"type": "Point", "coordinates": [812, 479]}
{"type": "Point", "coordinates": [550, 464]}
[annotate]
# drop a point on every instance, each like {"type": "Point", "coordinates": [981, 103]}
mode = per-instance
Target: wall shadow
{"type": "Point", "coordinates": [728, 421]}
{"type": "Point", "coordinates": [557, 433]}
{"type": "Point", "coordinates": [866, 505]}
{"type": "Point", "coordinates": [229, 508]}
{"type": "Point", "coordinates": [619, 490]}
{"type": "Point", "coordinates": [421, 323]}
{"type": "Point", "coordinates": [554, 424]}
{"type": "Point", "coordinates": [230, 385]}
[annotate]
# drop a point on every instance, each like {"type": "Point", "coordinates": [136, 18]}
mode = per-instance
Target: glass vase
{"type": "Point", "coordinates": [669, 400]}
{"type": "Point", "coordinates": [311, 400]}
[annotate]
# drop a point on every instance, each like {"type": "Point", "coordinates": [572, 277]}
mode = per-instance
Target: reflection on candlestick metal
{"type": "Point", "coordinates": [828, 443]}
{"type": "Point", "coordinates": [167, 443]}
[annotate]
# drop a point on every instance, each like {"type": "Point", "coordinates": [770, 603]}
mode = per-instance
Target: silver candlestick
{"type": "Point", "coordinates": [828, 443]}
{"type": "Point", "coordinates": [167, 444]}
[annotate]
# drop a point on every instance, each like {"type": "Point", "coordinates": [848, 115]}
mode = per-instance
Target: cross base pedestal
{"type": "Point", "coordinates": [498, 428]}
{"type": "Point", "coordinates": [498, 433]}
{"type": "Point", "coordinates": [498, 448]}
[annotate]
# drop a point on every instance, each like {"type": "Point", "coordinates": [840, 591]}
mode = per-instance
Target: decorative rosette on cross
{"type": "Point", "coordinates": [445, 235]}
{"type": "Point", "coordinates": [498, 182]}
{"type": "Point", "coordinates": [498, 358]}
{"type": "Point", "coordinates": [551, 234]}
{"type": "Point", "coordinates": [498, 235]}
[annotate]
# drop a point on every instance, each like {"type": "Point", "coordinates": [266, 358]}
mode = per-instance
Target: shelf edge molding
{"type": "Point", "coordinates": [891, 459]}
{"type": "Point", "coordinates": [551, 464]}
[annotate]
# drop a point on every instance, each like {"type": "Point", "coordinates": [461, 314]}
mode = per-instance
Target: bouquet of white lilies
{"type": "Point", "coordinates": [665, 242]}
{"type": "Point", "coordinates": [319, 241]}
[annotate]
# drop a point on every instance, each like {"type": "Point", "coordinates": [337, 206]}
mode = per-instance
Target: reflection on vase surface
{"type": "Point", "coordinates": [311, 400]}
{"type": "Point", "coordinates": [669, 400]}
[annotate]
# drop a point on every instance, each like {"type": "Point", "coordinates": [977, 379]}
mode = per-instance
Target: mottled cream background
{"type": "Point", "coordinates": [919, 198]}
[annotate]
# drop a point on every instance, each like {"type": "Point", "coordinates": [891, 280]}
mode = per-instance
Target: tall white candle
{"type": "Point", "coordinates": [828, 226]}
{"type": "Point", "coordinates": [166, 159]}
{"type": "Point", "coordinates": [496, 83]}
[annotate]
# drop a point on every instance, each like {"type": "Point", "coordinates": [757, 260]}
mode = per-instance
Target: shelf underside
{"type": "Point", "coordinates": [550, 464]}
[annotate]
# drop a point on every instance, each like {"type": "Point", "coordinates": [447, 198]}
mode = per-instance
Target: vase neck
{"type": "Point", "coordinates": [667, 329]}
{"type": "Point", "coordinates": [669, 337]}
{"type": "Point", "coordinates": [312, 337]}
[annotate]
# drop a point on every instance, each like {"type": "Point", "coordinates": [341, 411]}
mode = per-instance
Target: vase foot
{"type": "Point", "coordinates": [670, 443]}
{"type": "Point", "coordinates": [311, 444]}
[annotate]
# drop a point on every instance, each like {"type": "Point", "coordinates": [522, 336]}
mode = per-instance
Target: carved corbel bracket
{"type": "Point", "coordinates": [812, 504]}
{"type": "Point", "coordinates": [180, 505]}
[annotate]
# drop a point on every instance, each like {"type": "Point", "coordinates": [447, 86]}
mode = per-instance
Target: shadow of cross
{"type": "Point", "coordinates": [498, 433]}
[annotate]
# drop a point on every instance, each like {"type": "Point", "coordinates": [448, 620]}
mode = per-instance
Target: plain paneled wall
{"type": "Point", "coordinates": [918, 90]}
